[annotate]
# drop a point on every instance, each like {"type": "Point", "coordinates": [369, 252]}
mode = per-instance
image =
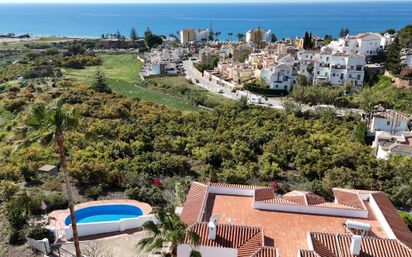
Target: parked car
{"type": "Point", "coordinates": [219, 90]}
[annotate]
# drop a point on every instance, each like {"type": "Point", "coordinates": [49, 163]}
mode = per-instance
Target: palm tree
{"type": "Point", "coordinates": [262, 82]}
{"type": "Point", "coordinates": [173, 231]}
{"type": "Point", "coordinates": [47, 125]}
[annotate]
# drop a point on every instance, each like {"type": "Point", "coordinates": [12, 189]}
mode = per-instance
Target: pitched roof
{"type": "Point", "coordinates": [304, 197]}
{"type": "Point", "coordinates": [235, 186]}
{"type": "Point", "coordinates": [307, 253]}
{"type": "Point", "coordinates": [337, 245]}
{"type": "Point", "coordinates": [283, 66]}
{"type": "Point", "coordinates": [194, 203]}
{"type": "Point", "coordinates": [266, 252]}
{"type": "Point", "coordinates": [228, 236]}
{"type": "Point", "coordinates": [401, 148]}
{"type": "Point", "coordinates": [349, 198]}
{"type": "Point", "coordinates": [398, 226]}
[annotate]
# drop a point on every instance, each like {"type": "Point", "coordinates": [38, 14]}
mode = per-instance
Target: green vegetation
{"type": "Point", "coordinates": [38, 232]}
{"type": "Point", "coordinates": [393, 61]}
{"type": "Point", "coordinates": [263, 90]}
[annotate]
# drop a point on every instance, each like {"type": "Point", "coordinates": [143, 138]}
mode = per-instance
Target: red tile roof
{"type": "Point", "coordinates": [266, 252]}
{"type": "Point", "coordinates": [362, 191]}
{"type": "Point", "coordinates": [304, 197]}
{"type": "Point", "coordinates": [194, 203]}
{"type": "Point", "coordinates": [234, 186]}
{"type": "Point", "coordinates": [349, 198]}
{"type": "Point", "coordinates": [335, 205]}
{"type": "Point", "coordinates": [250, 247]}
{"type": "Point", "coordinates": [398, 226]}
{"type": "Point", "coordinates": [229, 236]}
{"type": "Point", "coordinates": [307, 253]}
{"type": "Point", "coordinates": [338, 245]}
{"type": "Point", "coordinates": [264, 194]}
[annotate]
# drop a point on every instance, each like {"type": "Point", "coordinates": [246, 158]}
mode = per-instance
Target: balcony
{"type": "Point", "coordinates": [339, 67]}
{"type": "Point", "coordinates": [324, 65]}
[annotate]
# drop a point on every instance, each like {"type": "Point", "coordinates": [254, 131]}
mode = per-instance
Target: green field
{"type": "Point", "coordinates": [122, 72]}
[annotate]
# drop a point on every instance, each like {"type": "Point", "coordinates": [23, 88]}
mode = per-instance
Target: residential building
{"type": "Point", "coordinates": [390, 121]}
{"type": "Point", "coordinates": [243, 74]}
{"type": "Point", "coordinates": [408, 61]}
{"type": "Point", "coordinates": [316, 40]}
{"type": "Point", "coordinates": [252, 35]}
{"type": "Point", "coordinates": [387, 144]}
{"type": "Point", "coordinates": [242, 221]}
{"type": "Point", "coordinates": [366, 44]}
{"type": "Point", "coordinates": [197, 35]}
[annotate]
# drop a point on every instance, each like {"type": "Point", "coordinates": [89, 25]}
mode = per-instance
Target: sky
{"type": "Point", "coordinates": [180, 1]}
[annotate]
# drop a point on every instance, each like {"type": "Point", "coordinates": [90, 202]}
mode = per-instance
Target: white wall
{"type": "Point", "coordinates": [184, 250]}
{"type": "Point", "coordinates": [231, 191]}
{"type": "Point", "coordinates": [409, 60]}
{"type": "Point", "coordinates": [38, 244]}
{"type": "Point", "coordinates": [381, 218]}
{"type": "Point", "coordinates": [382, 154]}
{"type": "Point", "coordinates": [381, 124]}
{"type": "Point", "coordinates": [86, 229]}
{"type": "Point", "coordinates": [311, 210]}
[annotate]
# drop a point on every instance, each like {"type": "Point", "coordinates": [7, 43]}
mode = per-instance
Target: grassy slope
{"type": "Point", "coordinates": [122, 71]}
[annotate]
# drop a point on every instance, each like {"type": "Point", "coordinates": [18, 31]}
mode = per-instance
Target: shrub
{"type": "Point", "coordinates": [38, 232]}
{"type": "Point", "coordinates": [94, 193]}
{"type": "Point", "coordinates": [9, 189]}
{"type": "Point", "coordinates": [407, 72]}
{"type": "Point", "coordinates": [30, 74]}
{"type": "Point", "coordinates": [15, 89]}
{"type": "Point", "coordinates": [407, 218]}
{"type": "Point", "coordinates": [52, 185]}
{"type": "Point", "coordinates": [14, 105]}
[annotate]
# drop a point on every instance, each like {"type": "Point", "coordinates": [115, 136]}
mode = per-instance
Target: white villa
{"type": "Point", "coordinates": [251, 35]}
{"type": "Point", "coordinates": [366, 44]}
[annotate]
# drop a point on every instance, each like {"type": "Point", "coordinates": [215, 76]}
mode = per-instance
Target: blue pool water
{"type": "Point", "coordinates": [104, 213]}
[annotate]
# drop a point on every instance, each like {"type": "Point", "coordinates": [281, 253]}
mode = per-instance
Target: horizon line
{"type": "Point", "coordinates": [198, 2]}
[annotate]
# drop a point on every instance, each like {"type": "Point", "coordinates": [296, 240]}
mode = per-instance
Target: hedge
{"type": "Point", "coordinates": [266, 91]}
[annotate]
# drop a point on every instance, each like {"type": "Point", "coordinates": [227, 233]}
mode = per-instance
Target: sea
{"type": "Point", "coordinates": [285, 19]}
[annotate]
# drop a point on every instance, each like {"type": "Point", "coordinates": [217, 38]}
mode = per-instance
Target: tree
{"type": "Point", "coordinates": [48, 125]}
{"type": "Point", "coordinates": [99, 83]}
{"type": "Point", "coordinates": [342, 33]}
{"type": "Point", "coordinates": [262, 82]}
{"type": "Point", "coordinates": [389, 31]}
{"type": "Point", "coordinates": [301, 80]}
{"type": "Point", "coordinates": [273, 38]}
{"type": "Point", "coordinates": [152, 40]}
{"type": "Point", "coordinates": [405, 36]}
{"type": "Point", "coordinates": [310, 44]}
{"type": "Point", "coordinates": [133, 34]}
{"type": "Point", "coordinates": [393, 60]}
{"type": "Point", "coordinates": [306, 41]}
{"type": "Point", "coordinates": [309, 68]}
{"type": "Point", "coordinates": [211, 34]}
{"type": "Point", "coordinates": [240, 36]}
{"type": "Point", "coordinates": [173, 231]}
{"type": "Point", "coordinates": [346, 31]}
{"type": "Point", "coordinates": [258, 39]}
{"type": "Point", "coordinates": [214, 62]}
{"type": "Point", "coordinates": [147, 32]}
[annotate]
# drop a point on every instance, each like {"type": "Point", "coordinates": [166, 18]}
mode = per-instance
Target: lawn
{"type": "Point", "coordinates": [122, 72]}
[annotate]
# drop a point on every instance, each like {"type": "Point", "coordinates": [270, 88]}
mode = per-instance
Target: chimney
{"type": "Point", "coordinates": [212, 230]}
{"type": "Point", "coordinates": [355, 245]}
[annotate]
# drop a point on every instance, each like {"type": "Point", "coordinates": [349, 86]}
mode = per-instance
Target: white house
{"type": "Point", "coordinates": [385, 121]}
{"type": "Point", "coordinates": [281, 77]}
{"type": "Point", "coordinates": [366, 44]}
{"type": "Point", "coordinates": [388, 144]}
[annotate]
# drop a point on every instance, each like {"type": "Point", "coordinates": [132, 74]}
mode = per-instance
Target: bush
{"type": "Point", "coordinates": [30, 74]}
{"type": "Point", "coordinates": [52, 185]}
{"type": "Point", "coordinates": [14, 105]}
{"type": "Point", "coordinates": [266, 91]}
{"type": "Point", "coordinates": [38, 232]}
{"type": "Point", "coordinates": [94, 193]}
{"type": "Point", "coordinates": [407, 218]}
{"type": "Point", "coordinates": [151, 195]}
{"type": "Point", "coordinates": [15, 89]}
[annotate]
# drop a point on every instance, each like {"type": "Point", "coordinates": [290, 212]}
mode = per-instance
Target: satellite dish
{"type": "Point", "coordinates": [215, 218]}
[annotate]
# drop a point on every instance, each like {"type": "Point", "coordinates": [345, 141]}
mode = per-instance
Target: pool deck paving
{"type": "Point", "coordinates": [57, 218]}
{"type": "Point", "coordinates": [120, 245]}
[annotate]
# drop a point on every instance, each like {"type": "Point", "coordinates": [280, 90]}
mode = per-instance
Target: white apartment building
{"type": "Point", "coordinates": [251, 35]}
{"type": "Point", "coordinates": [198, 35]}
{"type": "Point", "coordinates": [337, 68]}
{"type": "Point", "coordinates": [366, 44]}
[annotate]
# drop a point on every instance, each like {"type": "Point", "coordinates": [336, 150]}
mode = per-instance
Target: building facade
{"type": "Point", "coordinates": [253, 35]}
{"type": "Point", "coordinates": [197, 35]}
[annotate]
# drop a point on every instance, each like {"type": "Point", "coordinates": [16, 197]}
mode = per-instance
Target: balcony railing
{"type": "Point", "coordinates": [339, 67]}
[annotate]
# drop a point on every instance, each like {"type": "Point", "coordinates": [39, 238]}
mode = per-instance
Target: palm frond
{"type": "Point", "coordinates": [144, 243]}
{"type": "Point", "coordinates": [149, 225]}
{"type": "Point", "coordinates": [193, 237]}
{"type": "Point", "coordinates": [195, 254]}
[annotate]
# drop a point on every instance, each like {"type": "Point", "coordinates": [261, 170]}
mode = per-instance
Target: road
{"type": "Point", "coordinates": [274, 103]}
{"type": "Point", "coordinates": [211, 86]}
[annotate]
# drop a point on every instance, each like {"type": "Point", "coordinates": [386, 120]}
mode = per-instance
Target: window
{"type": "Point", "coordinates": [326, 74]}
{"type": "Point", "coordinates": [351, 67]}
{"type": "Point", "coordinates": [306, 56]}
{"type": "Point", "coordinates": [327, 59]}
{"type": "Point", "coordinates": [318, 72]}
{"type": "Point", "coordinates": [398, 123]}
{"type": "Point", "coordinates": [388, 123]}
{"type": "Point", "coordinates": [357, 51]}
{"type": "Point", "coordinates": [333, 75]}
{"type": "Point", "coordinates": [350, 76]}
{"type": "Point", "coordinates": [359, 77]}
{"type": "Point", "coordinates": [271, 69]}
{"type": "Point", "coordinates": [276, 86]}
{"type": "Point", "coordinates": [311, 57]}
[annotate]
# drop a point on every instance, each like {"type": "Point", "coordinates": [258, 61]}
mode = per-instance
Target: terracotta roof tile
{"type": "Point", "coordinates": [348, 198]}
{"type": "Point", "coordinates": [398, 226]}
{"type": "Point", "coordinates": [307, 253]}
{"type": "Point", "coordinates": [264, 194]}
{"type": "Point", "coordinates": [336, 245]}
{"type": "Point", "coordinates": [250, 247]}
{"type": "Point", "coordinates": [360, 191]}
{"type": "Point", "coordinates": [227, 236]}
{"type": "Point", "coordinates": [266, 252]}
{"type": "Point", "coordinates": [335, 205]}
{"type": "Point", "coordinates": [194, 203]}
{"type": "Point", "coordinates": [235, 186]}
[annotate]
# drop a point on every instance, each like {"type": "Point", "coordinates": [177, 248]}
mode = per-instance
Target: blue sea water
{"type": "Point", "coordinates": [284, 19]}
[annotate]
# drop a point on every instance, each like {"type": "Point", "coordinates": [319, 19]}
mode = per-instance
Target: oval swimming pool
{"type": "Point", "coordinates": [102, 213]}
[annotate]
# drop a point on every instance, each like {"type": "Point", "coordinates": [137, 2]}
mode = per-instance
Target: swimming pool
{"type": "Point", "coordinates": [102, 213]}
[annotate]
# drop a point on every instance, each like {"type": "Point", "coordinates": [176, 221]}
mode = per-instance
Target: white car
{"type": "Point", "coordinates": [219, 90]}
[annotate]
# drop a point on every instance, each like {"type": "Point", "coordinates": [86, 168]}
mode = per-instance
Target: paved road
{"type": "Point", "coordinates": [211, 86]}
